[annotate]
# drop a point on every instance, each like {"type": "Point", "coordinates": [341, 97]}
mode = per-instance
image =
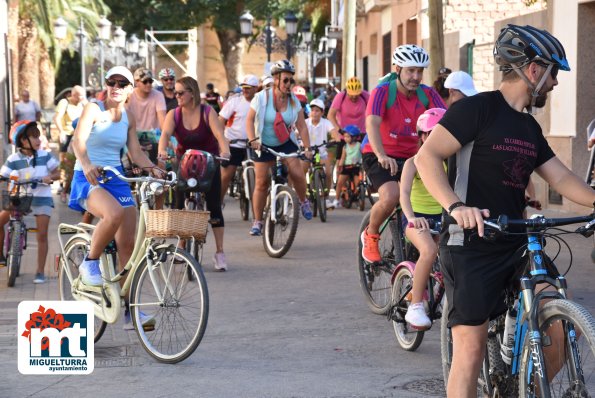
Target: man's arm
{"type": "Point", "coordinates": [566, 183]}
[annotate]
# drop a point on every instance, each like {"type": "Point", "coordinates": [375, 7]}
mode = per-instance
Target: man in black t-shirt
{"type": "Point", "coordinates": [497, 147]}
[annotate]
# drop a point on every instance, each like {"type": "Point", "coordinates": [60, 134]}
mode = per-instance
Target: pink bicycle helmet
{"type": "Point", "coordinates": [428, 120]}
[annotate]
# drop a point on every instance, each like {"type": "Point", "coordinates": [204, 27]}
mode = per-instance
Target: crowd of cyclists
{"type": "Point", "coordinates": [472, 161]}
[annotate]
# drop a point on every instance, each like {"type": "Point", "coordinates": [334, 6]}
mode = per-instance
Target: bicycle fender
{"type": "Point", "coordinates": [410, 265]}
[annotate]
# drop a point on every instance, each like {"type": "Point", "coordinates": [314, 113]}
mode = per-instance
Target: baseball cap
{"type": "Point", "coordinates": [317, 102]}
{"type": "Point", "coordinates": [461, 81]}
{"type": "Point", "coordinates": [120, 70]}
{"type": "Point", "coordinates": [142, 74]}
{"type": "Point", "coordinates": [266, 79]}
{"type": "Point", "coordinates": [250, 80]}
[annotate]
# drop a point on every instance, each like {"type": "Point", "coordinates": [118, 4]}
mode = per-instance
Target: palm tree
{"type": "Point", "coordinates": [39, 50]}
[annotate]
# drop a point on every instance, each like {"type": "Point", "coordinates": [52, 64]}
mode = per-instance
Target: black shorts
{"type": "Point", "coordinates": [351, 171]}
{"type": "Point", "coordinates": [64, 145]}
{"type": "Point", "coordinates": [238, 155]}
{"type": "Point", "coordinates": [475, 279]}
{"type": "Point", "coordinates": [377, 174]}
{"type": "Point", "coordinates": [287, 147]}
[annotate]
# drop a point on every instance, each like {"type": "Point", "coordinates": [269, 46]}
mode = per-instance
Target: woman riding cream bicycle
{"type": "Point", "coordinates": [99, 138]}
{"type": "Point", "coordinates": [197, 126]}
{"type": "Point", "coordinates": [418, 207]}
{"type": "Point", "coordinates": [272, 114]}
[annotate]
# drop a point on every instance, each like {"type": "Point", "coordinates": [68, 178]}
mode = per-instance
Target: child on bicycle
{"type": "Point", "coordinates": [351, 159]}
{"type": "Point", "coordinates": [418, 207]}
{"type": "Point", "coordinates": [27, 163]}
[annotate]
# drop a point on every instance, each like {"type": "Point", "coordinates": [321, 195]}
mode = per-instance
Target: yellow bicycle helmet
{"type": "Point", "coordinates": [353, 86]}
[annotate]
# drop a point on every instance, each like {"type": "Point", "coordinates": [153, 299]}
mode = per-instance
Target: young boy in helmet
{"type": "Point", "coordinates": [319, 130]}
{"type": "Point", "coordinates": [27, 163]}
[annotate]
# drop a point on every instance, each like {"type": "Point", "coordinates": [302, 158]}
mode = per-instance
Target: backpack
{"type": "Point", "coordinates": [391, 78]}
{"type": "Point", "coordinates": [345, 96]}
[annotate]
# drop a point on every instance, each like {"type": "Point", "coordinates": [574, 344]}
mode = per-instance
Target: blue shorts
{"type": "Point", "coordinates": [80, 189]}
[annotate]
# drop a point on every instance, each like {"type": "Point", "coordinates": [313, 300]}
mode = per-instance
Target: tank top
{"type": "Point", "coordinates": [106, 140]}
{"type": "Point", "coordinates": [421, 200]}
{"type": "Point", "coordinates": [352, 154]}
{"type": "Point", "coordinates": [201, 137]}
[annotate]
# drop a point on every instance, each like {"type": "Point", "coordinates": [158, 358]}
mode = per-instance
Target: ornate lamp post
{"type": "Point", "coordinates": [104, 36]}
{"type": "Point", "coordinates": [119, 41]}
{"type": "Point", "coordinates": [291, 22]}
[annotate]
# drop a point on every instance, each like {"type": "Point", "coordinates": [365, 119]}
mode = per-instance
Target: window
{"type": "Point", "coordinates": [387, 53]}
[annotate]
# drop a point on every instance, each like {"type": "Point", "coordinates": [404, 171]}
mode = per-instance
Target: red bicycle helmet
{"type": "Point", "coordinates": [200, 166]}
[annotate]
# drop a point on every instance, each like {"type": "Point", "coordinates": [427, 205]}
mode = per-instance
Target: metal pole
{"type": "Point", "coordinates": [269, 39]}
{"type": "Point", "coordinates": [313, 68]}
{"type": "Point", "coordinates": [288, 47]}
{"type": "Point", "coordinates": [101, 64]}
{"type": "Point", "coordinates": [82, 54]}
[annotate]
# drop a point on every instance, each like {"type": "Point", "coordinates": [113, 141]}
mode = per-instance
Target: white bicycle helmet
{"type": "Point", "coordinates": [282, 66]}
{"type": "Point", "coordinates": [410, 55]}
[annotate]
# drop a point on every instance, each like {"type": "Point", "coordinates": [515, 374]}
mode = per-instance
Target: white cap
{"type": "Point", "coordinates": [250, 80]}
{"type": "Point", "coordinates": [461, 81]}
{"type": "Point", "coordinates": [266, 80]}
{"type": "Point", "coordinates": [317, 102]}
{"type": "Point", "coordinates": [122, 71]}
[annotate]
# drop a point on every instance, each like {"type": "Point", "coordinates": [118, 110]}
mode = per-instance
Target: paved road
{"type": "Point", "coordinates": [292, 327]}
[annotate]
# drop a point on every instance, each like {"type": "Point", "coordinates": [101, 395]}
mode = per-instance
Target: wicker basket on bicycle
{"type": "Point", "coordinates": [20, 202]}
{"type": "Point", "coordinates": [182, 223]}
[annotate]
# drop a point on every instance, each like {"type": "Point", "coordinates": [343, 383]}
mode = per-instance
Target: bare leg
{"type": "Point", "coordinates": [218, 232]}
{"type": "Point", "coordinates": [43, 222]}
{"type": "Point", "coordinates": [469, 344]}
{"type": "Point", "coordinates": [226, 177]}
{"type": "Point", "coordinates": [103, 205]}
{"type": "Point", "coordinates": [261, 172]}
{"type": "Point", "coordinates": [297, 177]}
{"type": "Point", "coordinates": [4, 218]}
{"type": "Point", "coordinates": [428, 250]}
{"type": "Point", "coordinates": [389, 197]}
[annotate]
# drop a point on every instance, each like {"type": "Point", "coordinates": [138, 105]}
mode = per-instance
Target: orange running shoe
{"type": "Point", "coordinates": [370, 251]}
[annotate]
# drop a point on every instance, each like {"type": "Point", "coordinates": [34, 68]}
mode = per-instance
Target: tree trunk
{"type": "Point", "coordinates": [46, 79]}
{"type": "Point", "coordinates": [28, 58]}
{"type": "Point", "coordinates": [231, 49]}
{"type": "Point", "coordinates": [436, 38]}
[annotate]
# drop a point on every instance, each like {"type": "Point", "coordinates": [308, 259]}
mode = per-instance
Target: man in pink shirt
{"type": "Point", "coordinates": [148, 107]}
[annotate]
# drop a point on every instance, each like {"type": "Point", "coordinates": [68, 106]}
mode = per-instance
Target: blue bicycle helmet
{"type": "Point", "coordinates": [352, 130]}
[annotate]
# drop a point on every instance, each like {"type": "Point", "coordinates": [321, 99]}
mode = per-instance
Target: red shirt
{"type": "Point", "coordinates": [398, 129]}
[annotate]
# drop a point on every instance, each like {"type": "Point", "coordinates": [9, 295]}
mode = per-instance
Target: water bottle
{"type": "Point", "coordinates": [507, 342]}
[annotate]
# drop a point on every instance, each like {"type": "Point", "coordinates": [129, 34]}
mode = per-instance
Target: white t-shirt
{"type": "Point", "coordinates": [26, 110]}
{"type": "Point", "coordinates": [235, 111]}
{"type": "Point", "coordinates": [319, 133]}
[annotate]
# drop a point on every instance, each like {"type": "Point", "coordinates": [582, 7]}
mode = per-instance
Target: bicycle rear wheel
{"type": "Point", "coordinates": [179, 319]}
{"type": "Point", "coordinates": [375, 279]}
{"type": "Point", "coordinates": [278, 235]}
{"type": "Point", "coordinates": [244, 203]}
{"type": "Point", "coordinates": [13, 258]}
{"type": "Point", "coordinates": [251, 177]}
{"type": "Point", "coordinates": [75, 251]}
{"type": "Point", "coordinates": [361, 196]}
{"type": "Point", "coordinates": [319, 184]}
{"type": "Point", "coordinates": [408, 338]}
{"type": "Point", "coordinates": [574, 350]}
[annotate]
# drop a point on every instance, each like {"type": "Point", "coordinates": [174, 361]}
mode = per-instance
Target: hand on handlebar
{"type": "Point", "coordinates": [470, 218]}
{"type": "Point", "coordinates": [419, 223]}
{"type": "Point", "coordinates": [92, 173]}
{"type": "Point", "coordinates": [255, 144]}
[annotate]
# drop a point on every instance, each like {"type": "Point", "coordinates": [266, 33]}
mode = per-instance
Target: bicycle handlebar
{"type": "Point", "coordinates": [540, 223]}
{"type": "Point", "coordinates": [140, 179]}
{"type": "Point", "coordinates": [24, 182]}
{"type": "Point", "coordinates": [283, 155]}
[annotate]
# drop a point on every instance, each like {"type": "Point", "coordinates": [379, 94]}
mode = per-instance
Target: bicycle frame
{"type": "Point", "coordinates": [104, 297]}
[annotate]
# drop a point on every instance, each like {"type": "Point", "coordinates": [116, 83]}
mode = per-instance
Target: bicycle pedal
{"type": "Point", "coordinates": [148, 328]}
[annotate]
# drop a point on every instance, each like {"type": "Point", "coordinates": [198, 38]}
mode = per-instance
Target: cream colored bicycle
{"type": "Point", "coordinates": [165, 284]}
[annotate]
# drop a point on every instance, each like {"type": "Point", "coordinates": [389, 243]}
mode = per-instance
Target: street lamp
{"type": "Point", "coordinates": [247, 20]}
{"type": "Point", "coordinates": [60, 27]}
{"type": "Point", "coordinates": [104, 35]}
{"type": "Point", "coordinates": [290, 29]}
{"type": "Point", "coordinates": [119, 42]}
{"type": "Point", "coordinates": [307, 38]}
{"type": "Point", "coordinates": [82, 35]}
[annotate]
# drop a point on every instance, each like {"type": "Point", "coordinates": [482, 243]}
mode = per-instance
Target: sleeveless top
{"type": "Point", "coordinates": [201, 137]}
{"type": "Point", "coordinates": [106, 140]}
{"type": "Point", "coordinates": [352, 154]}
{"type": "Point", "coordinates": [421, 200]}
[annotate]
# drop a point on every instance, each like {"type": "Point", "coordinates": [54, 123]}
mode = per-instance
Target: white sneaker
{"type": "Point", "coordinates": [336, 204]}
{"type": "Point", "coordinates": [90, 273]}
{"type": "Point", "coordinates": [147, 321]}
{"type": "Point", "coordinates": [219, 262]}
{"type": "Point", "coordinates": [416, 316]}
{"type": "Point", "coordinates": [330, 204]}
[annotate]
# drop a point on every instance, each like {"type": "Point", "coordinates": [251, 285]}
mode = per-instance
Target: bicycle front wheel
{"type": "Point", "coordinates": [567, 331]}
{"type": "Point", "coordinates": [251, 177]}
{"type": "Point", "coordinates": [408, 338]}
{"type": "Point", "coordinates": [319, 184]}
{"type": "Point", "coordinates": [169, 304]}
{"type": "Point", "coordinates": [375, 279]}
{"type": "Point", "coordinates": [75, 251]}
{"type": "Point", "coordinates": [278, 235]}
{"type": "Point", "coordinates": [13, 258]}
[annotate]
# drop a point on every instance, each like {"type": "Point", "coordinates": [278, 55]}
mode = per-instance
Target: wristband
{"type": "Point", "coordinates": [454, 206]}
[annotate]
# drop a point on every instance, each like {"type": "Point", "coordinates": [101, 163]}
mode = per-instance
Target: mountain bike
{"type": "Point", "coordinates": [376, 278]}
{"type": "Point", "coordinates": [156, 277]}
{"type": "Point", "coordinates": [243, 182]}
{"type": "Point", "coordinates": [18, 202]}
{"type": "Point", "coordinates": [552, 345]}
{"type": "Point", "coordinates": [316, 184]}
{"type": "Point", "coordinates": [282, 210]}
{"type": "Point", "coordinates": [408, 337]}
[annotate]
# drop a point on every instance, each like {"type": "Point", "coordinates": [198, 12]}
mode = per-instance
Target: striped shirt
{"type": "Point", "coordinates": [23, 165]}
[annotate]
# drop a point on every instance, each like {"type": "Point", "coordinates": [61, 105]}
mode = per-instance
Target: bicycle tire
{"type": "Point", "coordinates": [375, 280]}
{"type": "Point", "coordinates": [75, 251]}
{"type": "Point", "coordinates": [312, 192]}
{"type": "Point", "coordinates": [563, 383]}
{"type": "Point", "coordinates": [175, 317]}
{"type": "Point", "coordinates": [369, 194]}
{"type": "Point", "coordinates": [13, 258]}
{"type": "Point", "coordinates": [361, 197]}
{"type": "Point", "coordinates": [278, 236]}
{"type": "Point", "coordinates": [319, 184]}
{"type": "Point", "coordinates": [251, 177]}
{"type": "Point", "coordinates": [408, 338]}
{"type": "Point", "coordinates": [347, 197]}
{"type": "Point", "coordinates": [244, 205]}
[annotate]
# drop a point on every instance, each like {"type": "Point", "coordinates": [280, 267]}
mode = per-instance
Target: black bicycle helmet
{"type": "Point", "coordinates": [520, 45]}
{"type": "Point", "coordinates": [282, 66]}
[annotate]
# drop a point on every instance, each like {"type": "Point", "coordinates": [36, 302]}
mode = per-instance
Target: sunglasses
{"type": "Point", "coordinates": [146, 81]}
{"type": "Point", "coordinates": [120, 83]}
{"type": "Point", "coordinates": [289, 80]}
{"type": "Point", "coordinates": [553, 72]}
{"type": "Point", "coordinates": [180, 93]}
{"type": "Point", "coordinates": [168, 79]}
